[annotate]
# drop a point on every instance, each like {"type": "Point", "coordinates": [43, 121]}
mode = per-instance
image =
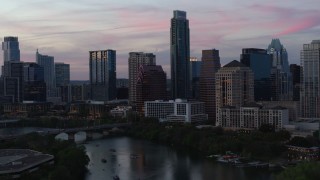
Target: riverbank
{"type": "Point", "coordinates": [264, 146]}
{"type": "Point", "coordinates": [70, 160]}
{"type": "Point", "coordinates": [133, 158]}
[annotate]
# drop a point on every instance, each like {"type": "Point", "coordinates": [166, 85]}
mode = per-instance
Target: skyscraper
{"type": "Point", "coordinates": [296, 75]}
{"type": "Point", "coordinates": [180, 55]}
{"type": "Point", "coordinates": [11, 52]}
{"type": "Point", "coordinates": [10, 47]}
{"type": "Point", "coordinates": [12, 70]}
{"type": "Point", "coordinates": [210, 65]}
{"type": "Point", "coordinates": [137, 59]}
{"type": "Point", "coordinates": [195, 69]}
{"type": "Point", "coordinates": [234, 85]}
{"type": "Point", "coordinates": [13, 80]}
{"type": "Point", "coordinates": [47, 62]}
{"type": "Point", "coordinates": [151, 85]}
{"type": "Point", "coordinates": [34, 85]}
{"type": "Point", "coordinates": [281, 87]}
{"type": "Point", "coordinates": [260, 63]}
{"type": "Point", "coordinates": [62, 71]}
{"type": "Point", "coordinates": [103, 74]}
{"type": "Point", "coordinates": [310, 81]}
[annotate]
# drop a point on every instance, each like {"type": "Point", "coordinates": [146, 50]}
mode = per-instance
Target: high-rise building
{"type": "Point", "coordinates": [62, 71]}
{"type": "Point", "coordinates": [47, 62]}
{"type": "Point", "coordinates": [151, 85]}
{"type": "Point", "coordinates": [260, 63]}
{"type": "Point", "coordinates": [10, 47]}
{"type": "Point", "coordinates": [12, 70]}
{"type": "Point", "coordinates": [34, 85]}
{"type": "Point", "coordinates": [281, 87]}
{"type": "Point", "coordinates": [13, 80]}
{"type": "Point", "coordinates": [195, 69]}
{"type": "Point", "coordinates": [11, 52]}
{"type": "Point", "coordinates": [137, 59]}
{"type": "Point", "coordinates": [310, 81]}
{"type": "Point", "coordinates": [234, 85]}
{"type": "Point", "coordinates": [103, 75]}
{"type": "Point", "coordinates": [210, 65]}
{"type": "Point", "coordinates": [180, 55]}
{"type": "Point", "coordinates": [33, 72]}
{"type": "Point", "coordinates": [296, 74]}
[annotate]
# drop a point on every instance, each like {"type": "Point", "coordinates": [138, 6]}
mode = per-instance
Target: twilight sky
{"type": "Point", "coordinates": [68, 29]}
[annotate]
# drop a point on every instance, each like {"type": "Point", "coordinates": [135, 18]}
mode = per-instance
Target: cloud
{"type": "Point", "coordinates": [69, 29]}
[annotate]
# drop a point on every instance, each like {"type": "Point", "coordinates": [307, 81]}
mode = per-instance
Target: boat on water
{"type": "Point", "coordinates": [116, 177]}
{"type": "Point", "coordinates": [103, 160]}
{"type": "Point", "coordinates": [214, 156]}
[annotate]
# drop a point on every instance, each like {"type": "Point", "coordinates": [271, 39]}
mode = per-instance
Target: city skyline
{"type": "Point", "coordinates": [69, 30]}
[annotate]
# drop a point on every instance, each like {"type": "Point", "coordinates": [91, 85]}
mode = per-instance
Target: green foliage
{"type": "Point", "coordinates": [299, 141]}
{"type": "Point", "coordinates": [257, 144]}
{"type": "Point", "coordinates": [267, 128]}
{"type": "Point", "coordinates": [303, 171]}
{"type": "Point", "coordinates": [70, 159]}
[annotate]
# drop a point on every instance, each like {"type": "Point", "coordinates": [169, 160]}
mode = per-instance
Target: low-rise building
{"type": "Point", "coordinates": [120, 111]}
{"type": "Point", "coordinates": [25, 108]}
{"type": "Point", "coordinates": [292, 106]}
{"type": "Point", "coordinates": [88, 109]}
{"type": "Point", "coordinates": [252, 116]}
{"type": "Point", "coordinates": [176, 111]}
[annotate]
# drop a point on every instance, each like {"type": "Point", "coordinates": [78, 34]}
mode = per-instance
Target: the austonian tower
{"type": "Point", "coordinates": [180, 55]}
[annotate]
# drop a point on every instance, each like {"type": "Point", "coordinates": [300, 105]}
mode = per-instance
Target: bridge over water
{"type": "Point", "coordinates": [72, 131]}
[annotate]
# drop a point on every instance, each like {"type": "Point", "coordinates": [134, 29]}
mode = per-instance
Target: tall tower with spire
{"type": "Point", "coordinates": [281, 86]}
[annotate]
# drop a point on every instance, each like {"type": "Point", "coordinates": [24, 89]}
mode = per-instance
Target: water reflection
{"type": "Point", "coordinates": [138, 159]}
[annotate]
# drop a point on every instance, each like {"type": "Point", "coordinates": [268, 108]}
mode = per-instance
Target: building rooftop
{"type": "Point", "coordinates": [279, 108]}
{"type": "Point", "coordinates": [235, 63]}
{"type": "Point", "coordinates": [18, 160]}
{"type": "Point", "coordinates": [252, 104]}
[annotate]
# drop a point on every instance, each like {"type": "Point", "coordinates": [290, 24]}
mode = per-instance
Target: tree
{"type": "Point", "coordinates": [299, 141]}
{"type": "Point", "coordinates": [267, 128]}
{"type": "Point", "coordinates": [304, 171]}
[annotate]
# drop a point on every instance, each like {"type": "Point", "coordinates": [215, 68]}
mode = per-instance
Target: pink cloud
{"type": "Point", "coordinates": [303, 24]}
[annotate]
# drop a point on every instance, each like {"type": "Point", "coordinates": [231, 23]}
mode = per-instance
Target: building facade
{"type": "Point", "coordinates": [151, 85]}
{"type": "Point", "coordinates": [210, 65]}
{"type": "Point", "coordinates": [251, 117]}
{"type": "Point", "coordinates": [281, 86]}
{"type": "Point", "coordinates": [10, 47]}
{"type": "Point", "coordinates": [296, 76]}
{"type": "Point", "coordinates": [176, 111]}
{"type": "Point", "coordinates": [234, 85]}
{"type": "Point", "coordinates": [260, 63]}
{"type": "Point", "coordinates": [62, 71]}
{"type": "Point", "coordinates": [195, 69]}
{"type": "Point", "coordinates": [103, 74]}
{"type": "Point", "coordinates": [137, 59]}
{"type": "Point", "coordinates": [34, 85]}
{"type": "Point", "coordinates": [13, 80]}
{"type": "Point", "coordinates": [180, 55]}
{"type": "Point", "coordinates": [292, 106]}
{"type": "Point", "coordinates": [310, 81]}
{"type": "Point", "coordinates": [47, 62]}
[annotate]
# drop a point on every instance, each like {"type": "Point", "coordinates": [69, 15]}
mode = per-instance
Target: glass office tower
{"type": "Point", "coordinates": [180, 55]}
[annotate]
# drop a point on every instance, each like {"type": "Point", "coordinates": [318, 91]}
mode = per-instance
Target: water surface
{"type": "Point", "coordinates": [133, 159]}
